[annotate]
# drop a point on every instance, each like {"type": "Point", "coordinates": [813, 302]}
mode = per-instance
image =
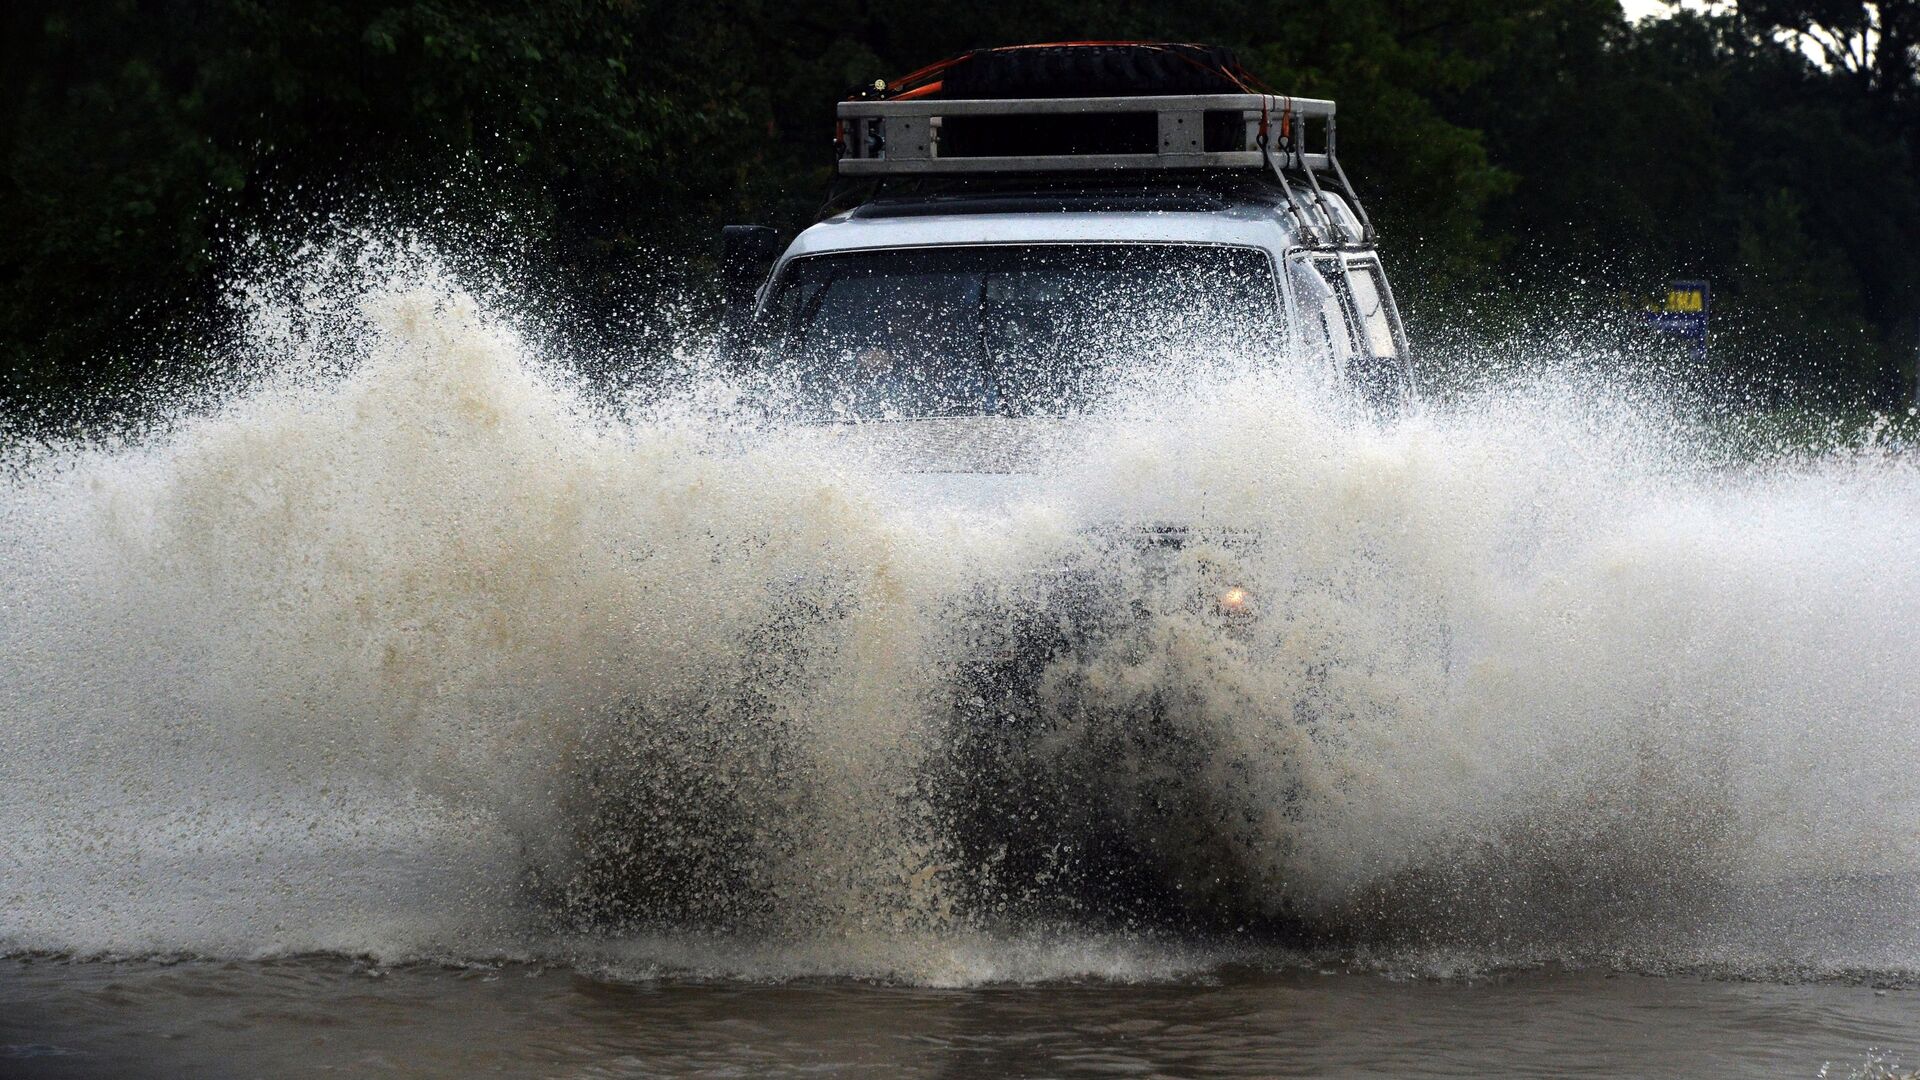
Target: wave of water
{"type": "Point", "coordinates": [409, 649]}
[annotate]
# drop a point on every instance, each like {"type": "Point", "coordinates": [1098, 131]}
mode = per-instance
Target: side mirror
{"type": "Point", "coordinates": [745, 253]}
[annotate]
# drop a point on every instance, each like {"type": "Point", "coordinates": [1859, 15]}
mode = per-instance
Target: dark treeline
{"type": "Point", "coordinates": [1521, 156]}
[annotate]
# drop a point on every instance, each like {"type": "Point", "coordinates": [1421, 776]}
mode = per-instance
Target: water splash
{"type": "Point", "coordinates": [411, 647]}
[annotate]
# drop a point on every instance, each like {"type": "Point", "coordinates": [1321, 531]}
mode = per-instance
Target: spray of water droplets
{"type": "Point", "coordinates": [413, 646]}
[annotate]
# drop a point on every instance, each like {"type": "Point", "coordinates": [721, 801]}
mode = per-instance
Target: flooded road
{"type": "Point", "coordinates": [932, 750]}
{"type": "Point", "coordinates": [318, 1017]}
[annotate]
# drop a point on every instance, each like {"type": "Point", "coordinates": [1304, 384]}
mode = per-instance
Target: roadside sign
{"type": "Point", "coordinates": [1683, 313]}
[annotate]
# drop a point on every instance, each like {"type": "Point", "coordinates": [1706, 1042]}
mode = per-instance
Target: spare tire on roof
{"type": "Point", "coordinates": [1073, 70]}
{"type": "Point", "coordinates": [1099, 69]}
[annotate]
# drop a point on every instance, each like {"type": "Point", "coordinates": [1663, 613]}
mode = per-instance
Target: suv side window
{"type": "Point", "coordinates": [1324, 329]}
{"type": "Point", "coordinates": [1372, 310]}
{"type": "Point", "coordinates": [1347, 319]}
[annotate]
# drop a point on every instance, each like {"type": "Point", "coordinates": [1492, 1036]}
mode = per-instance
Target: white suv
{"type": "Point", "coordinates": [1009, 256]}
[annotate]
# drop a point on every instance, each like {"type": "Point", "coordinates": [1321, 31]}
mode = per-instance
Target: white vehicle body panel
{"type": "Point", "coordinates": [1247, 227]}
{"type": "Point", "coordinates": [978, 464]}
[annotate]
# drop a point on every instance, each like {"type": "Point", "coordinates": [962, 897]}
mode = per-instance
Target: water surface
{"type": "Point", "coordinates": [317, 1017]}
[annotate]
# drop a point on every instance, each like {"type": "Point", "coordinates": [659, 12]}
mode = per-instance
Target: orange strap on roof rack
{"type": "Point", "coordinates": [930, 69]}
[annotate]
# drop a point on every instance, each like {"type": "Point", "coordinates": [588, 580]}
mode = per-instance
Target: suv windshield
{"type": "Point", "coordinates": [1012, 330]}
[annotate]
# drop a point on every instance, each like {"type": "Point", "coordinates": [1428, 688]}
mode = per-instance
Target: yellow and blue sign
{"type": "Point", "coordinates": [1683, 313]}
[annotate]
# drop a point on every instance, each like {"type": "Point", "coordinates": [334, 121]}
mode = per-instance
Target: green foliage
{"type": "Point", "coordinates": [1548, 141]}
{"type": "Point", "coordinates": [1795, 300]}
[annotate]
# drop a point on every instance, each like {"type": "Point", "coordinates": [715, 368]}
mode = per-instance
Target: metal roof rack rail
{"type": "Point", "coordinates": [880, 138]}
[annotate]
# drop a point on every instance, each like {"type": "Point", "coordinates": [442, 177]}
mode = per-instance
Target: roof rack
{"type": "Point", "coordinates": [937, 137]}
{"type": "Point", "coordinates": [879, 138]}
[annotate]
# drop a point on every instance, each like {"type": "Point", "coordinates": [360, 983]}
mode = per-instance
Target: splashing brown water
{"type": "Point", "coordinates": [407, 650]}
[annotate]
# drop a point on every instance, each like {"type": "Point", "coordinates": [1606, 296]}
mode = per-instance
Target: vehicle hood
{"type": "Point", "coordinates": [986, 466]}
{"type": "Point", "coordinates": [973, 463]}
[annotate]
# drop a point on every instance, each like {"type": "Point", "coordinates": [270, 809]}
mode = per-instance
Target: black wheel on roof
{"type": "Point", "coordinates": [1086, 69]}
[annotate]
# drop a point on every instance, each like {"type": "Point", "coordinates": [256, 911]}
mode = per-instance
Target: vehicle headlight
{"type": "Point", "coordinates": [1235, 600]}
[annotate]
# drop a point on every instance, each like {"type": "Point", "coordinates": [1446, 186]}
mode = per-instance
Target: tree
{"type": "Point", "coordinates": [1545, 141]}
{"type": "Point", "coordinates": [1876, 43]}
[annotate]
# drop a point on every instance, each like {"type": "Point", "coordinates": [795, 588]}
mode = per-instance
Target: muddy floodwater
{"type": "Point", "coordinates": [409, 708]}
{"type": "Point", "coordinates": [339, 1018]}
